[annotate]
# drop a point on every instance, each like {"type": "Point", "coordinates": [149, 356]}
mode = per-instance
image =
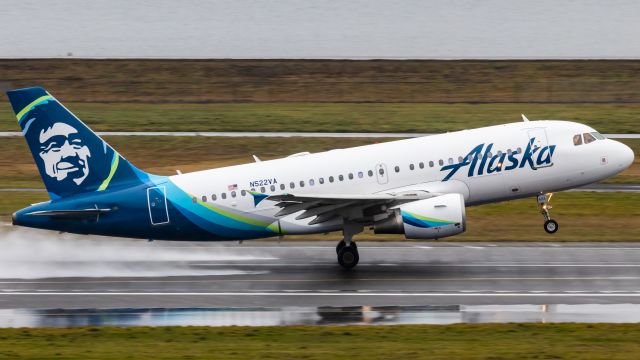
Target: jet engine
{"type": "Point", "coordinates": [433, 218]}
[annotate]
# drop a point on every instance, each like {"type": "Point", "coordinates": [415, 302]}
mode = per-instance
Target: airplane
{"type": "Point", "coordinates": [418, 187]}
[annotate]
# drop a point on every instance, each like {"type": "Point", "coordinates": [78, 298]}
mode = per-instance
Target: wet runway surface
{"type": "Point", "coordinates": [110, 273]}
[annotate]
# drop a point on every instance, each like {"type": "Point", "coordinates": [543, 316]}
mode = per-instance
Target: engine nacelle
{"type": "Point", "coordinates": [432, 218]}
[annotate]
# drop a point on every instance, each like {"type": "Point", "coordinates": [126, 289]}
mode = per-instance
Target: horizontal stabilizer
{"type": "Point", "coordinates": [70, 213]}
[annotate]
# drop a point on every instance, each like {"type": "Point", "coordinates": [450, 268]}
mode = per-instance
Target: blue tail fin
{"type": "Point", "coordinates": [71, 158]}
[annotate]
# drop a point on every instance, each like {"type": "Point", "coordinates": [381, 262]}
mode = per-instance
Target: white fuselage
{"type": "Point", "coordinates": [417, 164]}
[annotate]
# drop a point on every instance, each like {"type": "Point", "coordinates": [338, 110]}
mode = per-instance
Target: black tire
{"type": "Point", "coordinates": [348, 257]}
{"type": "Point", "coordinates": [342, 244]}
{"type": "Point", "coordinates": [550, 226]}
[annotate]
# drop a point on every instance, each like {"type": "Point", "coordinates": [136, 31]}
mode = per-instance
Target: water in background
{"type": "Point", "coordinates": [320, 29]}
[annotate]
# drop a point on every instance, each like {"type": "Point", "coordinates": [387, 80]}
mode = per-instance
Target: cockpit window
{"type": "Point", "coordinates": [588, 138]}
{"type": "Point", "coordinates": [598, 136]}
{"type": "Point", "coordinates": [577, 139]}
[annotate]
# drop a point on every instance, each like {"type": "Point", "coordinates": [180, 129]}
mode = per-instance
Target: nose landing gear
{"type": "Point", "coordinates": [550, 225]}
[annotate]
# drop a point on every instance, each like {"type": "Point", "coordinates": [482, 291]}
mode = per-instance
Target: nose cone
{"type": "Point", "coordinates": [624, 155]}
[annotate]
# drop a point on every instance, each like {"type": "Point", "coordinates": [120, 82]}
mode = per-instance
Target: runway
{"type": "Point", "coordinates": [135, 274]}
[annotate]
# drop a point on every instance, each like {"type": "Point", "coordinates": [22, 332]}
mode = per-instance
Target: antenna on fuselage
{"type": "Point", "coordinates": [524, 118]}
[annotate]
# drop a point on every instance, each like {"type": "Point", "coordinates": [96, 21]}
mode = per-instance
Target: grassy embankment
{"type": "Point", "coordinates": [325, 95]}
{"type": "Point", "coordinates": [335, 117]}
{"type": "Point", "coordinates": [476, 341]}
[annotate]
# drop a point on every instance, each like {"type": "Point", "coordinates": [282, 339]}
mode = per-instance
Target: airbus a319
{"type": "Point", "coordinates": [418, 187]}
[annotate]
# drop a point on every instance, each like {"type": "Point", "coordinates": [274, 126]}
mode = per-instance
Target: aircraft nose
{"type": "Point", "coordinates": [624, 155]}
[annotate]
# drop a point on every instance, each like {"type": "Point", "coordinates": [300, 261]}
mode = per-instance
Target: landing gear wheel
{"type": "Point", "coordinates": [348, 256]}
{"type": "Point", "coordinates": [342, 244]}
{"type": "Point", "coordinates": [550, 226]}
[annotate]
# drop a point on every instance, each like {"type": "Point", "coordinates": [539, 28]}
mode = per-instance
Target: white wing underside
{"type": "Point", "coordinates": [353, 207]}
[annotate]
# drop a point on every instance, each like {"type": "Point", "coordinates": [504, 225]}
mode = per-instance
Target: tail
{"type": "Point", "coordinates": [71, 158]}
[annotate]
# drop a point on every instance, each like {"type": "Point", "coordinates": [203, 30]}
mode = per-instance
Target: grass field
{"type": "Point", "coordinates": [336, 117]}
{"type": "Point", "coordinates": [329, 95]}
{"type": "Point", "coordinates": [410, 81]}
{"type": "Point", "coordinates": [476, 341]}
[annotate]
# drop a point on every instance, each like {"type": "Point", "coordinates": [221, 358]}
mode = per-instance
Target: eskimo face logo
{"type": "Point", "coordinates": [480, 161]}
{"type": "Point", "coordinates": [64, 153]}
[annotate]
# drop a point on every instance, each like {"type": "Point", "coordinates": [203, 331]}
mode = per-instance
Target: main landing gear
{"type": "Point", "coordinates": [347, 249]}
{"type": "Point", "coordinates": [550, 225]}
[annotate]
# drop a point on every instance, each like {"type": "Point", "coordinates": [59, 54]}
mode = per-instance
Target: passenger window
{"type": "Point", "coordinates": [397, 168]}
{"type": "Point", "coordinates": [321, 180]}
{"type": "Point", "coordinates": [519, 150]}
{"type": "Point", "coordinates": [588, 138]}
{"type": "Point", "coordinates": [350, 176]}
{"type": "Point", "coordinates": [430, 163]}
{"type": "Point", "coordinates": [577, 139]}
{"type": "Point", "coordinates": [340, 177]}
{"type": "Point", "coordinates": [243, 192]}
{"type": "Point", "coordinates": [459, 159]}
{"type": "Point", "coordinates": [450, 161]}
{"type": "Point", "coordinates": [214, 197]}
{"type": "Point", "coordinates": [598, 135]}
{"type": "Point", "coordinates": [233, 194]}
{"type": "Point", "coordinates": [224, 195]}
{"type": "Point", "coordinates": [301, 183]}
{"type": "Point", "coordinates": [370, 173]}
{"type": "Point", "coordinates": [421, 165]}
{"type": "Point", "coordinates": [273, 188]}
{"type": "Point", "coordinates": [311, 182]}
{"type": "Point", "coordinates": [262, 189]}
{"type": "Point", "coordinates": [292, 185]}
{"type": "Point", "coordinates": [381, 171]}
{"type": "Point", "coordinates": [282, 186]}
{"type": "Point", "coordinates": [360, 174]}
{"type": "Point", "coordinates": [194, 200]}
{"type": "Point", "coordinates": [411, 167]}
{"type": "Point", "coordinates": [204, 198]}
{"type": "Point", "coordinates": [440, 162]}
{"type": "Point", "coordinates": [330, 179]}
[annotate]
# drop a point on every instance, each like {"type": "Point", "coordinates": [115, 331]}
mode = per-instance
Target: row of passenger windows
{"type": "Point", "coordinates": [450, 161]}
{"type": "Point", "coordinates": [350, 176]}
{"type": "Point", "coordinates": [588, 138]}
{"type": "Point", "coordinates": [292, 185]}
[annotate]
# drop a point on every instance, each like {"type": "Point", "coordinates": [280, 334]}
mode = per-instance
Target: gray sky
{"type": "Point", "coordinates": [321, 29]}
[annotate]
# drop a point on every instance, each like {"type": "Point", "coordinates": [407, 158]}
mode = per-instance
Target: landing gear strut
{"type": "Point", "coordinates": [347, 249]}
{"type": "Point", "coordinates": [550, 225]}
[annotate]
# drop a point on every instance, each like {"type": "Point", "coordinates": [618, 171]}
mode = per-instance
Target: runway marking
{"type": "Point", "coordinates": [617, 278]}
{"type": "Point", "coordinates": [341, 294]}
{"type": "Point", "coordinates": [324, 280]}
{"type": "Point", "coordinates": [407, 247]}
{"type": "Point", "coordinates": [285, 264]}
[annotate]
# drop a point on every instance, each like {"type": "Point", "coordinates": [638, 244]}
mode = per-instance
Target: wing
{"type": "Point", "coordinates": [325, 207]}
